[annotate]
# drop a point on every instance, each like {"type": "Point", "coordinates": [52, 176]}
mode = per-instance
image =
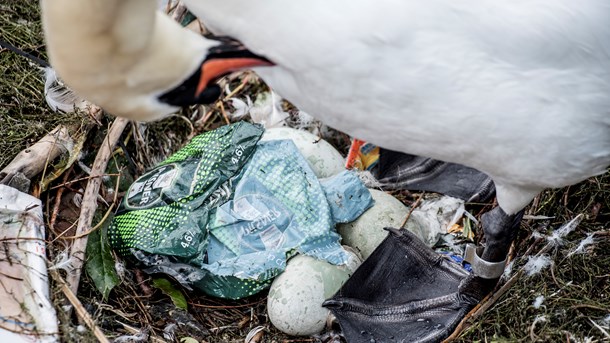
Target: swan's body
{"type": "Point", "coordinates": [519, 90]}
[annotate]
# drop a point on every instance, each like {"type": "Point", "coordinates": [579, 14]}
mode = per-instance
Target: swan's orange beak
{"type": "Point", "coordinates": [212, 69]}
{"type": "Point", "coordinates": [226, 57]}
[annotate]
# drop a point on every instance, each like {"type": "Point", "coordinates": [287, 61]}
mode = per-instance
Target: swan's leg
{"type": "Point", "coordinates": [500, 230]}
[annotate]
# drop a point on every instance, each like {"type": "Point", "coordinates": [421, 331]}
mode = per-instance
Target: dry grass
{"type": "Point", "coordinates": [576, 288]}
{"type": "Point", "coordinates": [24, 116]}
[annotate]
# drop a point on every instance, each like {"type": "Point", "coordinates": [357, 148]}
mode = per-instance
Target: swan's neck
{"type": "Point", "coordinates": [101, 46]}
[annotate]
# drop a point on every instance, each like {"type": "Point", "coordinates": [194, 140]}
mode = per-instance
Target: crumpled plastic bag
{"type": "Point", "coordinates": [223, 214]}
{"type": "Point", "coordinates": [26, 311]}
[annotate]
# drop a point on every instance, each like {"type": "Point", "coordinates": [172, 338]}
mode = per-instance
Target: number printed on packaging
{"type": "Point", "coordinates": [187, 239]}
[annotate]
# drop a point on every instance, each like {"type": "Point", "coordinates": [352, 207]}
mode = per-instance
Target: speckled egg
{"type": "Point", "coordinates": [323, 158]}
{"type": "Point", "coordinates": [366, 233]}
{"type": "Point", "coordinates": [295, 299]}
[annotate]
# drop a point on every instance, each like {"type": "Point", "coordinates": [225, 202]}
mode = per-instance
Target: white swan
{"type": "Point", "coordinates": [517, 89]}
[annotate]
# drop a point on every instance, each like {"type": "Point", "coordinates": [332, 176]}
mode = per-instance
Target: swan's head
{"type": "Point", "coordinates": [201, 87]}
{"type": "Point", "coordinates": [135, 62]}
{"type": "Point", "coordinates": [147, 90]}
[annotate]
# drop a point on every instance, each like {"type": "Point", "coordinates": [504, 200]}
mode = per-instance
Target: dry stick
{"type": "Point", "coordinates": [413, 207]}
{"type": "Point", "coordinates": [68, 183]}
{"type": "Point", "coordinates": [225, 98]}
{"type": "Point", "coordinates": [80, 310]}
{"type": "Point", "coordinates": [224, 113]}
{"type": "Point", "coordinates": [33, 160]}
{"type": "Point", "coordinates": [58, 196]}
{"type": "Point", "coordinates": [89, 203]}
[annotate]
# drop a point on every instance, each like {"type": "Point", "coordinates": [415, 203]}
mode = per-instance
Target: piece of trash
{"type": "Point", "coordinates": [322, 157]}
{"type": "Point", "coordinates": [458, 259]}
{"type": "Point", "coordinates": [224, 213]}
{"type": "Point", "coordinates": [26, 312]}
{"type": "Point", "coordinates": [433, 217]}
{"type": "Point", "coordinates": [362, 155]}
{"type": "Point", "coordinates": [429, 221]}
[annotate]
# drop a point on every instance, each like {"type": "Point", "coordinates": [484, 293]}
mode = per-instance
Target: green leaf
{"type": "Point", "coordinates": [100, 262]}
{"type": "Point", "coordinates": [168, 288]}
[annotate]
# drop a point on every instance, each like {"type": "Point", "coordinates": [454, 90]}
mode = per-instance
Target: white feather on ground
{"type": "Point", "coordinates": [535, 264]}
{"type": "Point", "coordinates": [58, 96]}
{"type": "Point", "coordinates": [266, 110]}
{"type": "Point", "coordinates": [582, 246]}
{"type": "Point", "coordinates": [241, 107]}
{"type": "Point", "coordinates": [141, 336]}
{"type": "Point", "coordinates": [556, 238]}
{"type": "Point", "coordinates": [538, 302]}
{"type": "Point", "coordinates": [508, 270]}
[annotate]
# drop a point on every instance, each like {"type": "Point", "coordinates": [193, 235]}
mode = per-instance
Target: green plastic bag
{"type": "Point", "coordinates": [224, 213]}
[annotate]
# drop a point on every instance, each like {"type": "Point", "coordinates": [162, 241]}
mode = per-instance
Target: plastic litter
{"type": "Point", "coordinates": [26, 312]}
{"type": "Point", "coordinates": [223, 214]}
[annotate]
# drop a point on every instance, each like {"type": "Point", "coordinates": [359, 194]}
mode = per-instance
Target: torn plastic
{"type": "Point", "coordinates": [396, 170]}
{"type": "Point", "coordinates": [224, 213]}
{"type": "Point", "coordinates": [390, 298]}
{"type": "Point", "coordinates": [26, 312]}
{"type": "Point", "coordinates": [405, 291]}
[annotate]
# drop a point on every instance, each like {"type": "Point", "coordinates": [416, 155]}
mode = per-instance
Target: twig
{"type": "Point", "coordinates": [88, 232]}
{"type": "Point", "coordinates": [64, 184]}
{"type": "Point", "coordinates": [224, 307]}
{"type": "Point", "coordinates": [80, 310]}
{"type": "Point", "coordinates": [413, 207]}
{"type": "Point", "coordinates": [89, 203]}
{"type": "Point", "coordinates": [33, 160]}
{"type": "Point", "coordinates": [224, 113]}
{"type": "Point", "coordinates": [58, 196]}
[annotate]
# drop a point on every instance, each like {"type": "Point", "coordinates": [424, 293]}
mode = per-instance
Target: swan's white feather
{"type": "Point", "coordinates": [58, 96]}
{"type": "Point", "coordinates": [517, 89]}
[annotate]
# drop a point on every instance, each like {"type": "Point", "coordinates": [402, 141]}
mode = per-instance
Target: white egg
{"type": "Point", "coordinates": [366, 233]}
{"type": "Point", "coordinates": [323, 158]}
{"type": "Point", "coordinates": [295, 298]}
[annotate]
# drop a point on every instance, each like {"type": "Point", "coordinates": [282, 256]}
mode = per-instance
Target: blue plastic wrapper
{"type": "Point", "coordinates": [243, 229]}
